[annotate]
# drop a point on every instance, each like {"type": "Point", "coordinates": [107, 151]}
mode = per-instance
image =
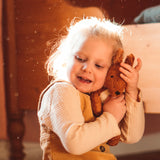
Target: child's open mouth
{"type": "Point", "coordinates": [84, 80]}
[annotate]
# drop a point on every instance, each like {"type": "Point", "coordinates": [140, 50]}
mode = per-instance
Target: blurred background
{"type": "Point", "coordinates": [27, 28]}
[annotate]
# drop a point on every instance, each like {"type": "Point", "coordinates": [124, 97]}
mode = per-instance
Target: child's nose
{"type": "Point", "coordinates": [86, 67]}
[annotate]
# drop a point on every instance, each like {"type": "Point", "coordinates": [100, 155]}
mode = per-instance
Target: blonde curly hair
{"type": "Point", "coordinates": [78, 33]}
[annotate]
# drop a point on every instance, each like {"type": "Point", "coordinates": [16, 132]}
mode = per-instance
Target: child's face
{"type": "Point", "coordinates": [88, 67]}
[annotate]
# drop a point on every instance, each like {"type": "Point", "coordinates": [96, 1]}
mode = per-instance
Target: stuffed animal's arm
{"type": "Point", "coordinates": [96, 103]}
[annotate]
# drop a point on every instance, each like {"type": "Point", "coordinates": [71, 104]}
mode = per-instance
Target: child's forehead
{"type": "Point", "coordinates": [95, 57]}
{"type": "Point", "coordinates": [93, 43]}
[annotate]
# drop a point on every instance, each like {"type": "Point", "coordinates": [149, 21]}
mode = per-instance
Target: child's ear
{"type": "Point", "coordinates": [118, 57]}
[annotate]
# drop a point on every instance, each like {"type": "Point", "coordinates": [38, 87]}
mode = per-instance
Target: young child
{"type": "Point", "coordinates": [69, 130]}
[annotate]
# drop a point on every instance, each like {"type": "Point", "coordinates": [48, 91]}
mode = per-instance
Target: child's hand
{"type": "Point", "coordinates": [131, 75]}
{"type": "Point", "coordinates": [116, 106]}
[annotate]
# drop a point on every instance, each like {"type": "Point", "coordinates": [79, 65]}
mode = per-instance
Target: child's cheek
{"type": "Point", "coordinates": [102, 80]}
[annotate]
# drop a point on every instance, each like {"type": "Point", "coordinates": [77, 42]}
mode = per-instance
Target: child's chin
{"type": "Point", "coordinates": [84, 90]}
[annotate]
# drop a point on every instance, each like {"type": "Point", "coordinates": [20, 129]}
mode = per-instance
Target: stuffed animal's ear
{"type": "Point", "coordinates": [130, 59]}
{"type": "Point", "coordinates": [118, 57]}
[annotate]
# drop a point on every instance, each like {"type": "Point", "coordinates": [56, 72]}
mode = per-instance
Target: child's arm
{"type": "Point", "coordinates": [65, 118]}
{"type": "Point", "coordinates": [132, 126]}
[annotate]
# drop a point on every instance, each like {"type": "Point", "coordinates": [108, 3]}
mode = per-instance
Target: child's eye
{"type": "Point", "coordinates": [80, 59]}
{"type": "Point", "coordinates": [98, 66]}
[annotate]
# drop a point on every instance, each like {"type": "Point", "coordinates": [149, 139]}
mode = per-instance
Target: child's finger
{"type": "Point", "coordinates": [139, 64]}
{"type": "Point", "coordinates": [125, 78]}
{"type": "Point", "coordinates": [124, 71]}
{"type": "Point", "coordinates": [127, 67]}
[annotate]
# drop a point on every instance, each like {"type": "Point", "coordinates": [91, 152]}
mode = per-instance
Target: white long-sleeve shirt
{"type": "Point", "coordinates": [64, 113]}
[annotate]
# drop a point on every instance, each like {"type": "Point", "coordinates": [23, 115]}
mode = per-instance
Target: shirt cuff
{"type": "Point", "coordinates": [130, 99]}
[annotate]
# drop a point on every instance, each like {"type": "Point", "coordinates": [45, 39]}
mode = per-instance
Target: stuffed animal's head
{"type": "Point", "coordinates": [113, 82]}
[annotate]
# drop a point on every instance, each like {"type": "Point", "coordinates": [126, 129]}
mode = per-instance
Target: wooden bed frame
{"type": "Point", "coordinates": [24, 42]}
{"type": "Point", "coordinates": [26, 31]}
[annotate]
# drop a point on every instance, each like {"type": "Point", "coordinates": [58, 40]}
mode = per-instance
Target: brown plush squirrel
{"type": "Point", "coordinates": [115, 85]}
